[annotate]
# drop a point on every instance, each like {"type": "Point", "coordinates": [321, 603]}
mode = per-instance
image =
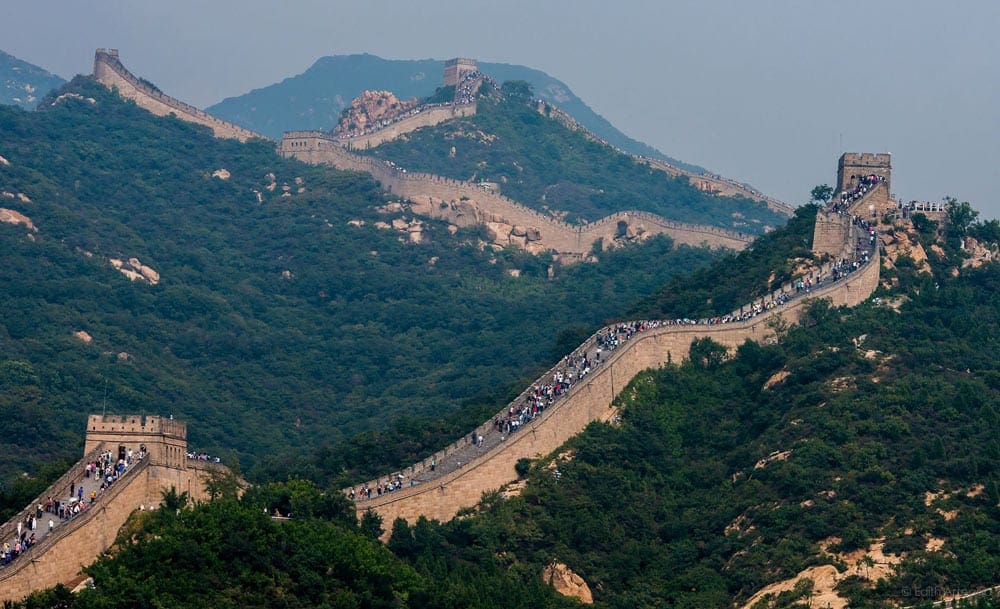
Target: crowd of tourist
{"type": "Point", "coordinates": [101, 473]}
{"type": "Point", "coordinates": [849, 197]}
{"type": "Point", "coordinates": [466, 90]}
{"type": "Point", "coordinates": [573, 368]}
{"type": "Point", "coordinates": [465, 94]}
{"type": "Point", "coordinates": [203, 456]}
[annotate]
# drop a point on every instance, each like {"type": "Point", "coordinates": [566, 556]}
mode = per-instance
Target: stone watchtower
{"type": "Point", "coordinates": [455, 69]}
{"type": "Point", "coordinates": [165, 439]}
{"type": "Point", "coordinates": [854, 165]}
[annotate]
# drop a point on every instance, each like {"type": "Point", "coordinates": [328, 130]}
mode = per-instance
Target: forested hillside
{"type": "Point", "coordinates": [853, 463]}
{"type": "Point", "coordinates": [274, 326]}
{"type": "Point", "coordinates": [539, 162]}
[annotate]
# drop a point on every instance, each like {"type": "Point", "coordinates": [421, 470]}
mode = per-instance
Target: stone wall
{"type": "Point", "coordinates": [425, 118]}
{"type": "Point", "coordinates": [589, 401]}
{"type": "Point", "coordinates": [874, 204]}
{"type": "Point", "coordinates": [468, 204]}
{"type": "Point", "coordinates": [855, 164]}
{"type": "Point", "coordinates": [110, 72]}
{"type": "Point", "coordinates": [165, 439]}
{"type": "Point", "coordinates": [60, 556]}
{"type": "Point", "coordinates": [830, 233]}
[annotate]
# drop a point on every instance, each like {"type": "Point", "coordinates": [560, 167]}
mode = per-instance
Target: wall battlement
{"type": "Point", "coordinates": [73, 544]}
{"type": "Point", "coordinates": [854, 165]}
{"type": "Point", "coordinates": [318, 147]}
{"type": "Point", "coordinates": [589, 400]}
{"type": "Point", "coordinates": [164, 438]}
{"type": "Point", "coordinates": [110, 72]}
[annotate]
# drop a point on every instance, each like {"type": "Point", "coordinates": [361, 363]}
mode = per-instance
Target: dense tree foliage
{"type": "Point", "coordinates": [539, 162]}
{"type": "Point", "coordinates": [276, 328]}
{"type": "Point", "coordinates": [738, 278]}
{"type": "Point", "coordinates": [877, 424]}
{"type": "Point", "coordinates": [234, 554]}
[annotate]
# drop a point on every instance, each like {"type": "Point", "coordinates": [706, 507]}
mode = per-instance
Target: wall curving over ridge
{"type": "Point", "coordinates": [589, 400]}
{"type": "Point", "coordinates": [109, 71]}
{"type": "Point", "coordinates": [467, 204]}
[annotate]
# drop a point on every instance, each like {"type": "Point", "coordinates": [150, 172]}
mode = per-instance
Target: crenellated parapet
{"type": "Point", "coordinates": [75, 542]}
{"type": "Point", "coordinates": [455, 477]}
{"type": "Point", "coordinates": [471, 204]}
{"type": "Point", "coordinates": [110, 72]}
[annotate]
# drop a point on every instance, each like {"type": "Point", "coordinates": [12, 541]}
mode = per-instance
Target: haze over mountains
{"type": "Point", "coordinates": [315, 98]}
{"type": "Point", "coordinates": [23, 84]}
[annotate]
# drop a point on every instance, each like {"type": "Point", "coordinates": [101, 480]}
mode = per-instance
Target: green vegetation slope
{"type": "Point", "coordinates": [539, 162]}
{"type": "Point", "coordinates": [864, 429]}
{"type": "Point", "coordinates": [276, 327]}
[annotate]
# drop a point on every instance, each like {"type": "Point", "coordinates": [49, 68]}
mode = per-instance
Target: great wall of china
{"type": "Point", "coordinates": [571, 242]}
{"type": "Point", "coordinates": [59, 556]}
{"type": "Point", "coordinates": [109, 71]}
{"type": "Point", "coordinates": [466, 204]}
{"type": "Point", "coordinates": [441, 494]}
{"type": "Point", "coordinates": [436, 493]}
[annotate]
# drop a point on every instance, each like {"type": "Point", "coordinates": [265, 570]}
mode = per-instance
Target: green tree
{"type": "Point", "coordinates": [821, 193]}
{"type": "Point", "coordinates": [371, 524]}
{"type": "Point", "coordinates": [961, 215]}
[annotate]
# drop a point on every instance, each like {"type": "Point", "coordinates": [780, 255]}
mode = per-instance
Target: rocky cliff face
{"type": "Point", "coordinates": [567, 583]}
{"type": "Point", "coordinates": [370, 110]}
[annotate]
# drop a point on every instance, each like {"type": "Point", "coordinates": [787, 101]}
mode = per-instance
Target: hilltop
{"type": "Point", "coordinates": [542, 163]}
{"type": "Point", "coordinates": [23, 84]}
{"type": "Point", "coordinates": [315, 98]}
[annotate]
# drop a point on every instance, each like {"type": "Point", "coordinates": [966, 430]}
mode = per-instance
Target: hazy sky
{"type": "Point", "coordinates": [769, 92]}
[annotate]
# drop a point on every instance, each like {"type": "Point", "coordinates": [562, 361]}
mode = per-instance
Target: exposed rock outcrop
{"type": "Point", "coordinates": [136, 270]}
{"type": "Point", "coordinates": [567, 583]}
{"type": "Point", "coordinates": [13, 217]}
{"type": "Point", "coordinates": [899, 244]}
{"type": "Point", "coordinates": [372, 109]}
{"type": "Point", "coordinates": [980, 253]}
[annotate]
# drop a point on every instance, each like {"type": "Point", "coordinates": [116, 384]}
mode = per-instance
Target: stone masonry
{"type": "Point", "coordinates": [60, 555]}
{"type": "Point", "coordinates": [468, 204]}
{"type": "Point", "coordinates": [591, 400]}
{"type": "Point", "coordinates": [109, 71]}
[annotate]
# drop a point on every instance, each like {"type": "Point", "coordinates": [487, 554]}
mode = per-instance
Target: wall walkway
{"type": "Point", "coordinates": [468, 204]}
{"type": "Point", "coordinates": [456, 484]}
{"type": "Point", "coordinates": [59, 556]}
{"type": "Point", "coordinates": [109, 71]}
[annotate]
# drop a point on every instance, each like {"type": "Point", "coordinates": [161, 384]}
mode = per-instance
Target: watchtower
{"type": "Point", "coordinates": [855, 165]}
{"type": "Point", "coordinates": [455, 69]}
{"type": "Point", "coordinates": [165, 440]}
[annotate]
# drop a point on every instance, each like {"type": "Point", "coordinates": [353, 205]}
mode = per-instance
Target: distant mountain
{"type": "Point", "coordinates": [23, 84]}
{"type": "Point", "coordinates": [315, 98]}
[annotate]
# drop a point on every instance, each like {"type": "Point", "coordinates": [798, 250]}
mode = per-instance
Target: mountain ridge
{"type": "Point", "coordinates": [23, 84]}
{"type": "Point", "coordinates": [406, 78]}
